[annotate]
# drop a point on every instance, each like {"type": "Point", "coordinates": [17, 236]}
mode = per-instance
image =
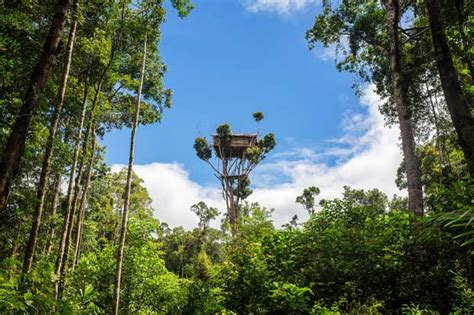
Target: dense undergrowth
{"type": "Point", "coordinates": [357, 254]}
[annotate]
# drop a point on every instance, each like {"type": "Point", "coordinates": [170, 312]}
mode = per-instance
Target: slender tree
{"type": "Point", "coordinates": [307, 199]}
{"type": "Point", "coordinates": [50, 234]}
{"type": "Point", "coordinates": [367, 33]}
{"type": "Point", "coordinates": [123, 231]}
{"type": "Point", "coordinates": [56, 194]}
{"type": "Point", "coordinates": [72, 176]}
{"type": "Point", "coordinates": [61, 267]}
{"type": "Point", "coordinates": [412, 163]}
{"type": "Point", "coordinates": [205, 215]}
{"type": "Point", "coordinates": [15, 146]}
{"type": "Point", "coordinates": [45, 170]}
{"type": "Point", "coordinates": [83, 201]}
{"type": "Point", "coordinates": [458, 105]}
{"type": "Point", "coordinates": [235, 157]}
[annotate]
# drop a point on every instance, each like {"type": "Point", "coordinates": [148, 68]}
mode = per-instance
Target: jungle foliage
{"type": "Point", "coordinates": [71, 71]}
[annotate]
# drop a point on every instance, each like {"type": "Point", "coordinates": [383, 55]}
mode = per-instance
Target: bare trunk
{"type": "Point", "coordinates": [233, 217]}
{"type": "Point", "coordinates": [413, 168]}
{"type": "Point", "coordinates": [455, 99]}
{"type": "Point", "coordinates": [68, 224]}
{"type": "Point", "coordinates": [83, 202]}
{"type": "Point", "coordinates": [15, 145]}
{"type": "Point", "coordinates": [114, 237]}
{"type": "Point", "coordinates": [54, 211]}
{"type": "Point", "coordinates": [67, 216]}
{"type": "Point", "coordinates": [230, 199]}
{"type": "Point", "coordinates": [16, 241]}
{"type": "Point", "coordinates": [123, 232]}
{"type": "Point", "coordinates": [56, 196]}
{"type": "Point", "coordinates": [43, 181]}
{"type": "Point", "coordinates": [439, 142]}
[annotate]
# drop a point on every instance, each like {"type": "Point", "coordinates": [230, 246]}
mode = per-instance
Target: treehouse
{"type": "Point", "coordinates": [236, 147]}
{"type": "Point", "coordinates": [234, 178]}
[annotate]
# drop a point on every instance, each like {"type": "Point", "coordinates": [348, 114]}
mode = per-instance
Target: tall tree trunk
{"type": "Point", "coordinates": [54, 209]}
{"type": "Point", "coordinates": [438, 141]}
{"type": "Point", "coordinates": [83, 202]}
{"type": "Point", "coordinates": [16, 241]}
{"type": "Point", "coordinates": [72, 206]}
{"type": "Point", "coordinates": [55, 200]}
{"type": "Point", "coordinates": [60, 261]}
{"type": "Point", "coordinates": [412, 163]}
{"type": "Point", "coordinates": [68, 225]}
{"type": "Point", "coordinates": [123, 232]}
{"type": "Point", "coordinates": [114, 237]}
{"type": "Point", "coordinates": [233, 214]}
{"type": "Point", "coordinates": [15, 145]}
{"type": "Point", "coordinates": [67, 216]}
{"type": "Point", "coordinates": [43, 181]}
{"type": "Point", "coordinates": [455, 99]}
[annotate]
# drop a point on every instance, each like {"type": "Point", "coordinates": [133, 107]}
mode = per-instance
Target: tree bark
{"type": "Point", "coordinates": [16, 241]}
{"type": "Point", "coordinates": [438, 141]}
{"type": "Point", "coordinates": [458, 105]}
{"type": "Point", "coordinates": [45, 170]}
{"type": "Point", "coordinates": [60, 261]}
{"type": "Point", "coordinates": [67, 216]}
{"type": "Point", "coordinates": [15, 145]}
{"type": "Point", "coordinates": [123, 232]}
{"type": "Point", "coordinates": [72, 217]}
{"type": "Point", "coordinates": [413, 168]}
{"type": "Point", "coordinates": [72, 205]}
{"type": "Point", "coordinates": [83, 202]}
{"type": "Point", "coordinates": [56, 197]}
{"type": "Point", "coordinates": [54, 209]}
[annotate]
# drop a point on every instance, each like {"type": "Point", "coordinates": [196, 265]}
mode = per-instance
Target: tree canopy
{"type": "Point", "coordinates": [77, 237]}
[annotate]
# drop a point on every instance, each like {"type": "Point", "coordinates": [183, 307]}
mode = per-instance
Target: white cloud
{"type": "Point", "coordinates": [283, 7]}
{"type": "Point", "coordinates": [368, 158]}
{"type": "Point", "coordinates": [326, 53]}
{"type": "Point", "coordinates": [173, 192]}
{"type": "Point", "coordinates": [333, 52]}
{"type": "Point", "coordinates": [370, 161]}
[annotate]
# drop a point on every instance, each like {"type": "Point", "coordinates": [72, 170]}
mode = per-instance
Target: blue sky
{"type": "Point", "coordinates": [224, 63]}
{"type": "Point", "coordinates": [230, 58]}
